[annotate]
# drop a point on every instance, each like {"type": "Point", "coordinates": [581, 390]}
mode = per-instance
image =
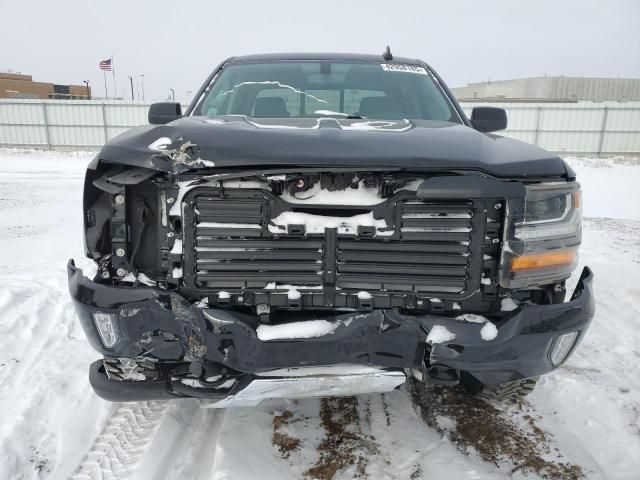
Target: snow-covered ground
{"type": "Point", "coordinates": [583, 420]}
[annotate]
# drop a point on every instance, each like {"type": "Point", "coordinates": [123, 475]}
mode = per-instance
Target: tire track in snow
{"type": "Point", "coordinates": [185, 443]}
{"type": "Point", "coordinates": [119, 448]}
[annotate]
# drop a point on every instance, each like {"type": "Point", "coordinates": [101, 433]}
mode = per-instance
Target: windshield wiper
{"type": "Point", "coordinates": [331, 113]}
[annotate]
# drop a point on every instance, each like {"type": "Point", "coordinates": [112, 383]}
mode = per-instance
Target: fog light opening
{"type": "Point", "coordinates": [561, 347]}
{"type": "Point", "coordinates": [107, 326]}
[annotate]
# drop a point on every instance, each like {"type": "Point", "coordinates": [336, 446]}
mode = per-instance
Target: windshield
{"type": "Point", "coordinates": [385, 91]}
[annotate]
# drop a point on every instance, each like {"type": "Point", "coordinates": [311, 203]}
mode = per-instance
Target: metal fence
{"type": "Point", "coordinates": [602, 129]}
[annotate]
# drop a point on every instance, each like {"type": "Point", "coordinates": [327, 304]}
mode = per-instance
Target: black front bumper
{"type": "Point", "coordinates": [163, 326]}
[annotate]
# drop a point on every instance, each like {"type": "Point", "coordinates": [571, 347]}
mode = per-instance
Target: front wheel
{"type": "Point", "coordinates": [511, 391]}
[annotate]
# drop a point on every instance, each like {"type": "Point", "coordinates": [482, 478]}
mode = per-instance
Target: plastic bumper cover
{"type": "Point", "coordinates": [163, 326]}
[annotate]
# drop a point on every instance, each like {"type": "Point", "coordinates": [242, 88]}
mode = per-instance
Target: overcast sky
{"type": "Point", "coordinates": [176, 43]}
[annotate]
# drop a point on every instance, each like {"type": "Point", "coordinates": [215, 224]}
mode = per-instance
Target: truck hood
{"type": "Point", "coordinates": [239, 141]}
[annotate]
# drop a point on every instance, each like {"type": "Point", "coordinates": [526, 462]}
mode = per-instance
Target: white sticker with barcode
{"type": "Point", "coordinates": [402, 67]}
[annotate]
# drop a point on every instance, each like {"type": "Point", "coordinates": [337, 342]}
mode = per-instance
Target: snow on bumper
{"type": "Point", "coordinates": [163, 326]}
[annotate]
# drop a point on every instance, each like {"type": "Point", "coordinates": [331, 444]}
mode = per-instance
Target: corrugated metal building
{"type": "Point", "coordinates": [552, 89]}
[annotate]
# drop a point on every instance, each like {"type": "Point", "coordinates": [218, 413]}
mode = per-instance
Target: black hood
{"type": "Point", "coordinates": [237, 141]}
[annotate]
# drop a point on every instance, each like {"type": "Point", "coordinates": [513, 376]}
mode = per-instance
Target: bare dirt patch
{"type": "Point", "coordinates": [497, 436]}
{"type": "Point", "coordinates": [285, 443]}
{"type": "Point", "coordinates": [344, 444]}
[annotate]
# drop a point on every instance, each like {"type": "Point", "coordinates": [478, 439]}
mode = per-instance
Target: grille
{"type": "Point", "coordinates": [427, 252]}
{"type": "Point", "coordinates": [253, 263]}
{"type": "Point", "coordinates": [431, 256]}
{"type": "Point", "coordinates": [230, 252]}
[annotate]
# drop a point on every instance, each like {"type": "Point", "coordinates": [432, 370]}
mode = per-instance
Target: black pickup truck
{"type": "Point", "coordinates": [326, 224]}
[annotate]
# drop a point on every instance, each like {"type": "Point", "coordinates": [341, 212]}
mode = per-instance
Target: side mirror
{"type": "Point", "coordinates": [488, 119]}
{"type": "Point", "coordinates": [164, 112]}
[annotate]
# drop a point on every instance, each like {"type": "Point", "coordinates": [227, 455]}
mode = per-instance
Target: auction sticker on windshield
{"type": "Point", "coordinates": [400, 67]}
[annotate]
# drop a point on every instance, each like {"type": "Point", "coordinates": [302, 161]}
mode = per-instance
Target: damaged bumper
{"type": "Point", "coordinates": [164, 328]}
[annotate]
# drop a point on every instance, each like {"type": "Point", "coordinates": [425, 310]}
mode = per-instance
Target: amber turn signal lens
{"type": "Point", "coordinates": [541, 260]}
{"type": "Point", "coordinates": [577, 198]}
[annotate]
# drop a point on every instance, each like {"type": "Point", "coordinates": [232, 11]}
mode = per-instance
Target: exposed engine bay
{"type": "Point", "coordinates": [306, 241]}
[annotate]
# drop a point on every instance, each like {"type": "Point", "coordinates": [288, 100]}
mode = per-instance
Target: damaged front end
{"type": "Point", "coordinates": [168, 348]}
{"type": "Point", "coordinates": [244, 285]}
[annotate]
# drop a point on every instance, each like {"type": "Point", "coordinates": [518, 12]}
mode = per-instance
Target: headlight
{"type": "Point", "coordinates": [542, 235]}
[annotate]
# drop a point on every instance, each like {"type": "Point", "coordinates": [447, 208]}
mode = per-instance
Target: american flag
{"type": "Point", "coordinates": [105, 65]}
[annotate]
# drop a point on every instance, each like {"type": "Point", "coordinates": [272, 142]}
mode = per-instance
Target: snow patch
{"type": "Point", "coordinates": [362, 295]}
{"type": "Point", "coordinates": [293, 294]}
{"type": "Point", "coordinates": [318, 223]}
{"type": "Point", "coordinates": [129, 278]}
{"type": "Point", "coordinates": [204, 163]}
{"type": "Point", "coordinates": [202, 303]}
{"type": "Point", "coordinates": [177, 247]}
{"type": "Point", "coordinates": [277, 286]}
{"type": "Point", "coordinates": [508, 304]}
{"type": "Point", "coordinates": [489, 331]}
{"type": "Point", "coordinates": [307, 329]}
{"type": "Point", "coordinates": [440, 334]}
{"type": "Point", "coordinates": [471, 318]}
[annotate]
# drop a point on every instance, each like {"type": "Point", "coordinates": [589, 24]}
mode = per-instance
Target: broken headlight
{"type": "Point", "coordinates": [542, 235]}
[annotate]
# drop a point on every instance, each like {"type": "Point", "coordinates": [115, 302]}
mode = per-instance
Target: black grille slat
{"type": "Point", "coordinates": [440, 222]}
{"type": "Point", "coordinates": [405, 247]}
{"type": "Point", "coordinates": [262, 276]}
{"type": "Point", "coordinates": [217, 218]}
{"type": "Point", "coordinates": [264, 244]}
{"type": "Point", "coordinates": [404, 269]}
{"type": "Point", "coordinates": [228, 232]}
{"type": "Point", "coordinates": [283, 255]}
{"type": "Point", "coordinates": [410, 258]}
{"type": "Point", "coordinates": [435, 208]}
{"type": "Point", "coordinates": [223, 210]}
{"type": "Point", "coordinates": [381, 280]}
{"type": "Point", "coordinates": [436, 236]}
{"type": "Point", "coordinates": [222, 206]}
{"type": "Point", "coordinates": [257, 266]}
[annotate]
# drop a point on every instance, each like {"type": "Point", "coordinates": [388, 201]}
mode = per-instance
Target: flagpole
{"type": "Point", "coordinates": [106, 95]}
{"type": "Point", "coordinates": [113, 71]}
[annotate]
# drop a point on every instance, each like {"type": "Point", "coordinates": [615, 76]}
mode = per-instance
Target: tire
{"type": "Point", "coordinates": [510, 391]}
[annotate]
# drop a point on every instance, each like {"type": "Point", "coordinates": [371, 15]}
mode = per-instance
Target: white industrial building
{"type": "Point", "coordinates": [553, 89]}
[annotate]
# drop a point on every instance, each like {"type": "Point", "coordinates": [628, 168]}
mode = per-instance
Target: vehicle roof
{"type": "Point", "coordinates": [341, 57]}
